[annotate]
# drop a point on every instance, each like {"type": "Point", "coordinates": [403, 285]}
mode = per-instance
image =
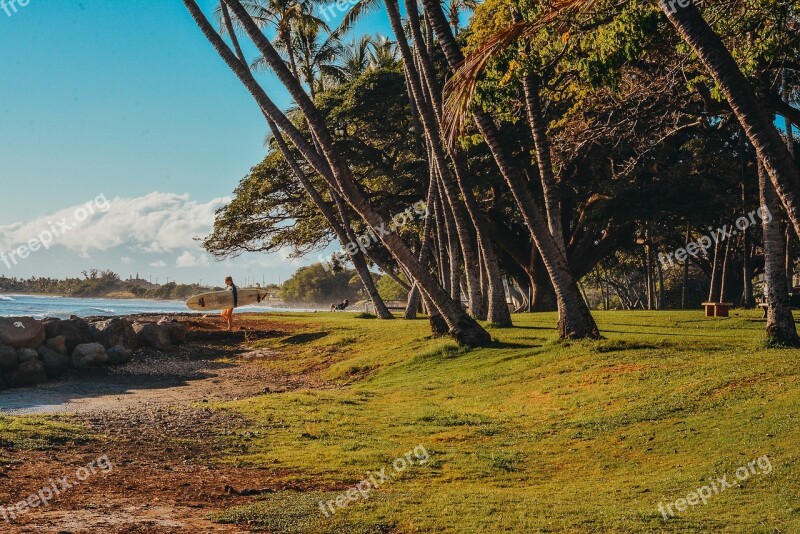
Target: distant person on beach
{"type": "Point", "coordinates": [340, 307]}
{"type": "Point", "coordinates": [227, 313]}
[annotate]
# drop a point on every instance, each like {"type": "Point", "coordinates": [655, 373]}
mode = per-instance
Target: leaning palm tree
{"type": "Point", "coordinates": [575, 318]}
{"type": "Point", "coordinates": [341, 229]}
{"type": "Point", "coordinates": [758, 124]}
{"type": "Point", "coordinates": [327, 162]}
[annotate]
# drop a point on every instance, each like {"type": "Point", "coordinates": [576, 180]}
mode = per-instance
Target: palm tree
{"type": "Point", "coordinates": [286, 17]}
{"type": "Point", "coordinates": [383, 53]}
{"type": "Point", "coordinates": [315, 56]}
{"type": "Point", "coordinates": [329, 165]}
{"type": "Point", "coordinates": [353, 60]}
{"type": "Point", "coordinates": [425, 91]}
{"type": "Point", "coordinates": [780, 328]}
{"type": "Point", "coordinates": [455, 9]}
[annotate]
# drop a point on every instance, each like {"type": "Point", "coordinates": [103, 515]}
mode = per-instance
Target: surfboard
{"type": "Point", "coordinates": [219, 300]}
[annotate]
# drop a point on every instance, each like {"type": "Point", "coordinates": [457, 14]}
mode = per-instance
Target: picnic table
{"type": "Point", "coordinates": [717, 309]}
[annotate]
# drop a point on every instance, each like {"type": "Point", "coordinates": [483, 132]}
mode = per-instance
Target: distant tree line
{"type": "Point", "coordinates": [97, 283]}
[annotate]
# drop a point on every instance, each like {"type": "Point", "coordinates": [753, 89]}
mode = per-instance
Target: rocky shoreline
{"type": "Point", "coordinates": [34, 351]}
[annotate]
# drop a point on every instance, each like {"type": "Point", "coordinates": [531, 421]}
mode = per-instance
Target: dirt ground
{"type": "Point", "coordinates": [155, 431]}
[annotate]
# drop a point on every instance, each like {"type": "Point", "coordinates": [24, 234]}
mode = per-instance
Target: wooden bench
{"type": "Point", "coordinates": [717, 309]}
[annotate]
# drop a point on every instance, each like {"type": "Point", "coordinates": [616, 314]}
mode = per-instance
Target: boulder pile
{"type": "Point", "coordinates": [33, 352]}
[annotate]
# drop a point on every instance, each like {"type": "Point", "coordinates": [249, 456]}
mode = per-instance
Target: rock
{"type": "Point", "coordinates": [21, 332]}
{"type": "Point", "coordinates": [54, 362]}
{"type": "Point", "coordinates": [58, 344]}
{"type": "Point", "coordinates": [177, 332]}
{"type": "Point", "coordinates": [8, 358]}
{"type": "Point", "coordinates": [29, 373]}
{"type": "Point", "coordinates": [119, 354]}
{"type": "Point", "coordinates": [27, 355]}
{"type": "Point", "coordinates": [153, 335]}
{"type": "Point", "coordinates": [75, 332]}
{"type": "Point", "coordinates": [116, 331]}
{"type": "Point", "coordinates": [89, 355]}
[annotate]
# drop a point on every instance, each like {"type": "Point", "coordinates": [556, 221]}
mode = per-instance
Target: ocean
{"type": "Point", "coordinates": [39, 307]}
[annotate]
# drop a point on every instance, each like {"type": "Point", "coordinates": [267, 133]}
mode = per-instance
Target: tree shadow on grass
{"type": "Point", "coordinates": [495, 344]}
{"type": "Point", "coordinates": [308, 337]}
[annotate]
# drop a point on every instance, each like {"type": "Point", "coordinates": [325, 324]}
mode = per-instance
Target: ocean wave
{"type": "Point", "coordinates": [103, 310]}
{"type": "Point", "coordinates": [6, 299]}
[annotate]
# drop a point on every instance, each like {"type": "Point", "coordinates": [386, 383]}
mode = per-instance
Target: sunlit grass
{"type": "Point", "coordinates": [38, 433]}
{"type": "Point", "coordinates": [531, 434]}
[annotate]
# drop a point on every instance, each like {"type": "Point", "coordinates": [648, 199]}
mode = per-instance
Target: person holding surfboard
{"type": "Point", "coordinates": [227, 313]}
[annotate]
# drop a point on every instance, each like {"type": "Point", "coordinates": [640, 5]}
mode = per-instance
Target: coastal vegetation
{"type": "Point", "coordinates": [96, 283]}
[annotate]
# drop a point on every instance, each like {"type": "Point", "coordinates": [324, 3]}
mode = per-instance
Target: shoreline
{"type": "Point", "coordinates": [45, 295]}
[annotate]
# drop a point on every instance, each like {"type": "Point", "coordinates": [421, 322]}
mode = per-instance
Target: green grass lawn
{"type": "Point", "coordinates": [530, 435]}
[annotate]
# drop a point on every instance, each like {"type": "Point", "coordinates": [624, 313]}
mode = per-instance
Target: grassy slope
{"type": "Point", "coordinates": [531, 435]}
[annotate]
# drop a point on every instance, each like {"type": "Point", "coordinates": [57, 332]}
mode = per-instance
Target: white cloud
{"type": "Point", "coordinates": [187, 259]}
{"type": "Point", "coordinates": [159, 263]}
{"type": "Point", "coordinates": [155, 223]}
{"type": "Point", "coordinates": [126, 260]}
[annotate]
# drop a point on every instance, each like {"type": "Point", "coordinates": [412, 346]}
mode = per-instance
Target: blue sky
{"type": "Point", "coordinates": [125, 100]}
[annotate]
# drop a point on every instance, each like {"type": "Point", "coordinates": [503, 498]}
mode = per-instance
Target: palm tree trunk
{"type": "Point", "coordinates": [430, 122]}
{"type": "Point", "coordinates": [757, 123]}
{"type": "Point", "coordinates": [542, 145]}
{"type": "Point", "coordinates": [713, 289]}
{"type": "Point", "coordinates": [425, 82]}
{"type": "Point", "coordinates": [575, 320]}
{"type": "Point", "coordinates": [723, 283]}
{"type": "Point", "coordinates": [463, 328]}
{"type": "Point", "coordinates": [780, 322]}
{"type": "Point", "coordinates": [344, 237]}
{"type": "Point", "coordinates": [748, 300]}
{"type": "Point", "coordinates": [360, 263]}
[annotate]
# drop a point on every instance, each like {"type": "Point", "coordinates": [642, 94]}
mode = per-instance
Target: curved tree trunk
{"type": "Point", "coordinates": [757, 123]}
{"type": "Point", "coordinates": [463, 328]}
{"type": "Point", "coordinates": [544, 296]}
{"type": "Point", "coordinates": [541, 143]}
{"type": "Point", "coordinates": [360, 263]}
{"type": "Point", "coordinates": [780, 322]}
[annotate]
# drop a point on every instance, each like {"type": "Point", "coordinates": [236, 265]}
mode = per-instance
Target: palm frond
{"type": "Point", "coordinates": [459, 89]}
{"type": "Point", "coordinates": [354, 15]}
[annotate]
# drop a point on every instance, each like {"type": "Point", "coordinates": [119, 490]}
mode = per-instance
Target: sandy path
{"type": "Point", "coordinates": [157, 433]}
